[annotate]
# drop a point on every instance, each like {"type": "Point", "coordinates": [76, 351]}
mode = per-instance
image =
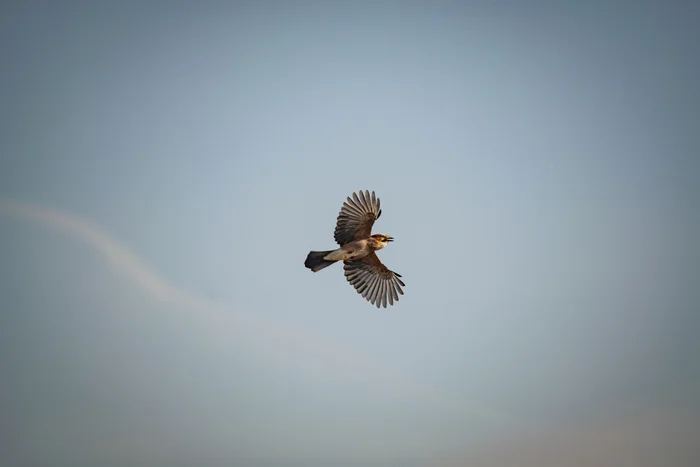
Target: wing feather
{"type": "Point", "coordinates": [394, 293]}
{"type": "Point", "coordinates": [357, 217]}
{"type": "Point", "coordinates": [385, 292]}
{"type": "Point", "coordinates": [374, 281]}
{"type": "Point", "coordinates": [372, 290]}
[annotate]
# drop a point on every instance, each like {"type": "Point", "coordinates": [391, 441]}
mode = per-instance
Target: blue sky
{"type": "Point", "coordinates": [166, 168]}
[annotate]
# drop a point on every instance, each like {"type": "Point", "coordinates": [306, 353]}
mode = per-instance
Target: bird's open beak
{"type": "Point", "coordinates": [390, 239]}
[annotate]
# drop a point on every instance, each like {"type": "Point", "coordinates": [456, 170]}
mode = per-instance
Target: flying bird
{"type": "Point", "coordinates": [353, 232]}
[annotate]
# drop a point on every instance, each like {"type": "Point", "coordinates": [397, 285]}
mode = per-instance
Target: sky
{"type": "Point", "coordinates": [166, 167]}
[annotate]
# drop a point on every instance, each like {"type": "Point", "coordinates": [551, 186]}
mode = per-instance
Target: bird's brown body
{"type": "Point", "coordinates": [363, 270]}
{"type": "Point", "coordinates": [355, 250]}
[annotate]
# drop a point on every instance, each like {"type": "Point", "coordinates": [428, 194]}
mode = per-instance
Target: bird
{"type": "Point", "coordinates": [358, 247]}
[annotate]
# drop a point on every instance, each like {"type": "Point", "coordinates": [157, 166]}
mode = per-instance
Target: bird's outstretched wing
{"type": "Point", "coordinates": [357, 217]}
{"type": "Point", "coordinates": [373, 280]}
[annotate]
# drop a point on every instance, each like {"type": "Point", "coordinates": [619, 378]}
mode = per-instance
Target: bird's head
{"type": "Point", "coordinates": [383, 239]}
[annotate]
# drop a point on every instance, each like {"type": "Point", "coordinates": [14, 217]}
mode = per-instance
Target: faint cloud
{"type": "Point", "coordinates": [266, 335]}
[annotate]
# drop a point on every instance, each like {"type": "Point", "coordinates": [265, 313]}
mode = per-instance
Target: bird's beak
{"type": "Point", "coordinates": [390, 239]}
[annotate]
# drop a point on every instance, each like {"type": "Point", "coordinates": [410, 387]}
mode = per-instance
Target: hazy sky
{"type": "Point", "coordinates": [166, 167]}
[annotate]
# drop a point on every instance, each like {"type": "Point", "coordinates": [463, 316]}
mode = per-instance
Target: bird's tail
{"type": "Point", "coordinates": [315, 261]}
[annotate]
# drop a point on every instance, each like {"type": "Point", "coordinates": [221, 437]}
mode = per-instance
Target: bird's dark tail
{"type": "Point", "coordinates": [315, 261]}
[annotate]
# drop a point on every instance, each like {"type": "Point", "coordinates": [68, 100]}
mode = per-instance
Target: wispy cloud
{"type": "Point", "coordinates": [117, 255]}
{"type": "Point", "coordinates": [256, 330]}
